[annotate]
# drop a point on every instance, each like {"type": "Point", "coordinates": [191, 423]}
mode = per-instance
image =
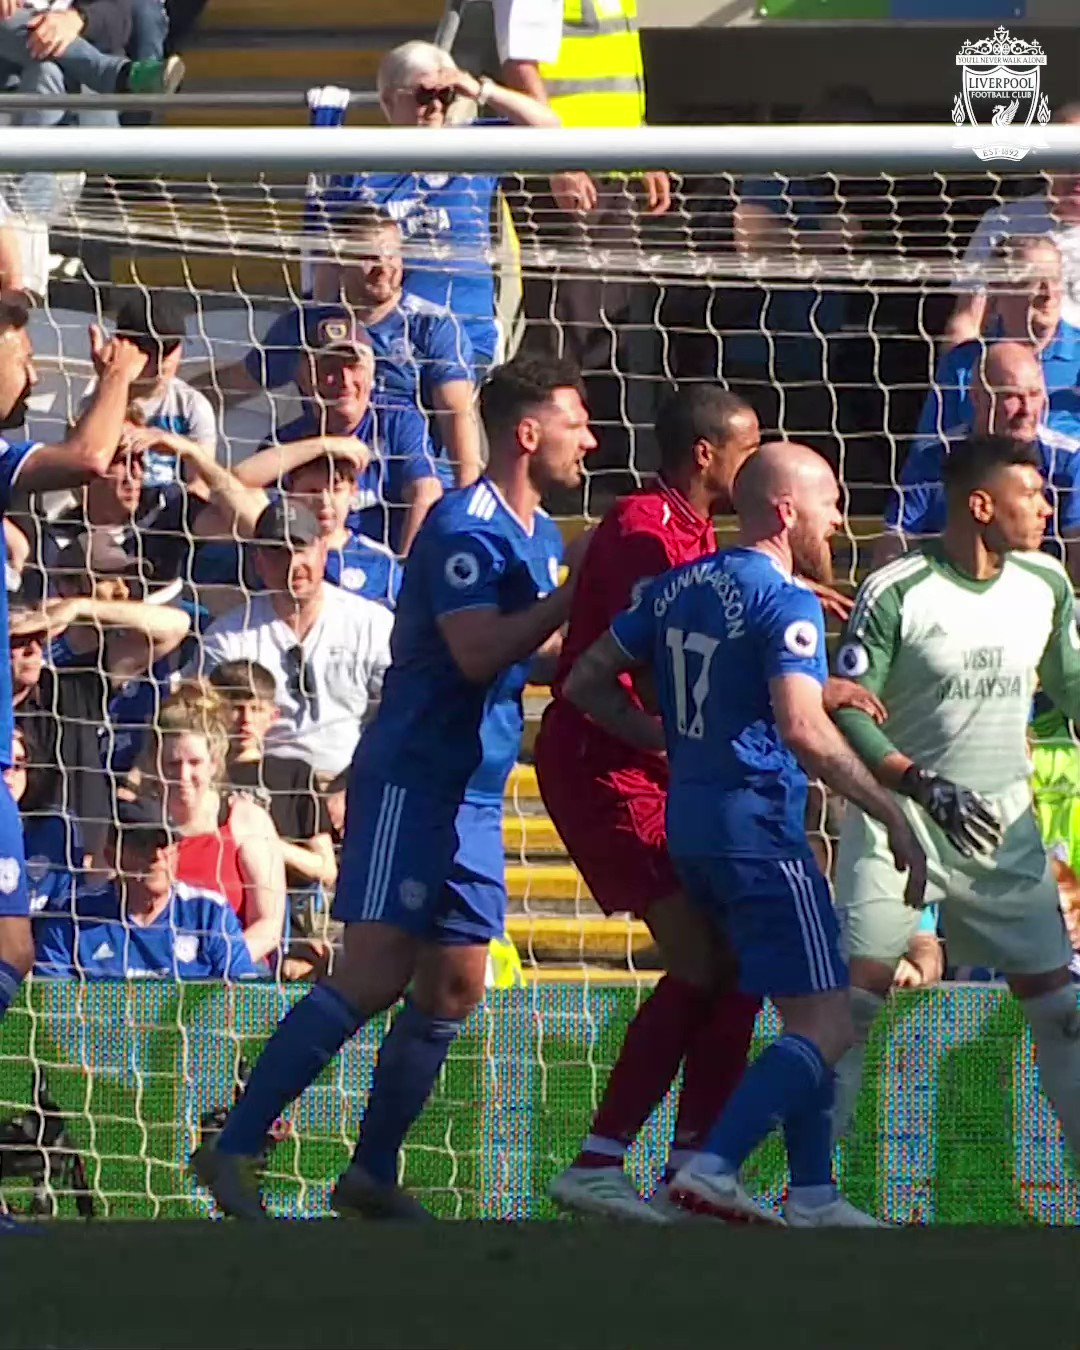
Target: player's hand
{"type": "Point", "coordinates": [965, 818]}
{"type": "Point", "coordinates": [906, 975]}
{"type": "Point", "coordinates": [841, 693]}
{"type": "Point", "coordinates": [117, 355]}
{"type": "Point", "coordinates": [657, 187]}
{"type": "Point", "coordinates": [9, 8]}
{"type": "Point", "coordinates": [574, 192]}
{"type": "Point", "coordinates": [50, 35]}
{"type": "Point", "coordinates": [833, 602]}
{"type": "Point", "coordinates": [909, 857]}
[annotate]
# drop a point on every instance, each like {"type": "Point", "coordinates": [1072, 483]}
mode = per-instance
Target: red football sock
{"type": "Point", "coordinates": [715, 1061]}
{"type": "Point", "coordinates": [655, 1043]}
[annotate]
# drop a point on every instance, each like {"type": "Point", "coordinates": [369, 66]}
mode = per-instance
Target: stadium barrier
{"type": "Point", "coordinates": [951, 1127]}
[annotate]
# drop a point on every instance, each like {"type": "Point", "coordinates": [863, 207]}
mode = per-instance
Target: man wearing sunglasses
{"type": "Point", "coordinates": [449, 220]}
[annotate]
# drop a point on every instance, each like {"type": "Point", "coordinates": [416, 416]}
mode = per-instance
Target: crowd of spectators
{"type": "Point", "coordinates": [197, 645]}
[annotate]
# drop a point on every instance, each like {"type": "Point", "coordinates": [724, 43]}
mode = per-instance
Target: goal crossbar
{"type": "Point", "coordinates": [736, 149]}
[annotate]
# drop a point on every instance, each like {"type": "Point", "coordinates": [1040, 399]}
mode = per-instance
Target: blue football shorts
{"type": "Point", "coordinates": [14, 887]}
{"type": "Point", "coordinates": [472, 909]}
{"type": "Point", "coordinates": [779, 917]}
{"type": "Point", "coordinates": [421, 863]}
{"type": "Point", "coordinates": [397, 856]}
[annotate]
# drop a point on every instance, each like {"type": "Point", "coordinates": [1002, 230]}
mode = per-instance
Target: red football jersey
{"type": "Point", "coordinates": [641, 537]}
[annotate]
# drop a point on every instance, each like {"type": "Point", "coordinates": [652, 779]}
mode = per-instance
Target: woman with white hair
{"type": "Point", "coordinates": [446, 219]}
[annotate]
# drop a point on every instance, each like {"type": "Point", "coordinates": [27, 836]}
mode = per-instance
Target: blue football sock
{"type": "Point", "coordinates": [409, 1062]}
{"type": "Point", "coordinates": [808, 1136]}
{"type": "Point", "coordinates": [307, 1039]}
{"type": "Point", "coordinates": [780, 1083]}
{"type": "Point", "coordinates": [10, 979]}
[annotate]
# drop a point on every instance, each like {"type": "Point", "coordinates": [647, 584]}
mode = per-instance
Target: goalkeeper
{"type": "Point", "coordinates": [952, 638]}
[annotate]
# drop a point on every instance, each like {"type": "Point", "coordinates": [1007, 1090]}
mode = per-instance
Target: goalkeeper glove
{"type": "Point", "coordinates": [964, 817]}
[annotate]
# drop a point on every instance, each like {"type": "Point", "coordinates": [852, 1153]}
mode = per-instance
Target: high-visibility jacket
{"type": "Point", "coordinates": [599, 78]}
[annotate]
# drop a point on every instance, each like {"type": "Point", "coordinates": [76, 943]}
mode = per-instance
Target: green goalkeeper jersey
{"type": "Point", "coordinates": [957, 661]}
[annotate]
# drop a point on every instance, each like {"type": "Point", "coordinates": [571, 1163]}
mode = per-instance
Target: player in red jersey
{"type": "Point", "coordinates": [608, 803]}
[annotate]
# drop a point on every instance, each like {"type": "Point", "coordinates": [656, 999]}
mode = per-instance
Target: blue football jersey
{"type": "Point", "coordinates": [715, 633]}
{"type": "Point", "coordinates": [472, 552]}
{"type": "Point", "coordinates": [917, 506]}
{"type": "Point", "coordinates": [417, 348]}
{"type": "Point", "coordinates": [503, 721]}
{"type": "Point", "coordinates": [446, 221]}
{"type": "Point", "coordinates": [196, 937]}
{"type": "Point", "coordinates": [12, 458]}
{"type": "Point", "coordinates": [366, 567]}
{"type": "Point", "coordinates": [54, 860]}
{"type": "Point", "coordinates": [402, 454]}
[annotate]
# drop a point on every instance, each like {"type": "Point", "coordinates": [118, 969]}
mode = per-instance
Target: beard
{"type": "Point", "coordinates": [811, 556]}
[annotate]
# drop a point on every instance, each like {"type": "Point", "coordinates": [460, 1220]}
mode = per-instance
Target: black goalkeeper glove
{"type": "Point", "coordinates": [963, 816]}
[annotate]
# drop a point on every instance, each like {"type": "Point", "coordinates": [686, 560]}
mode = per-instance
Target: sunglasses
{"type": "Point", "coordinates": [299, 679]}
{"type": "Point", "coordinates": [427, 98]}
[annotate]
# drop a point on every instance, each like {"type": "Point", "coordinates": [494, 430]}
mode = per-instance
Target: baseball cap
{"type": "Point", "coordinates": [288, 523]}
{"type": "Point", "coordinates": [332, 328]}
{"type": "Point", "coordinates": [94, 552]}
{"type": "Point", "coordinates": [139, 818]}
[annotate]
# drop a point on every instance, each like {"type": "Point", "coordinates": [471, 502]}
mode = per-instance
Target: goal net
{"type": "Point", "coordinates": [811, 284]}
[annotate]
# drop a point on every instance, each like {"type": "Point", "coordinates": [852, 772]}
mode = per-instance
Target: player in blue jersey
{"type": "Point", "coordinates": [422, 358]}
{"type": "Point", "coordinates": [447, 219]}
{"type": "Point", "coordinates": [27, 466]}
{"type": "Point", "coordinates": [144, 924]}
{"type": "Point", "coordinates": [478, 602]}
{"type": "Point", "coordinates": [737, 646]}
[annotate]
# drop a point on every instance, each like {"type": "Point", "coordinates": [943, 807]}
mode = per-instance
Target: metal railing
{"type": "Point", "coordinates": [255, 100]}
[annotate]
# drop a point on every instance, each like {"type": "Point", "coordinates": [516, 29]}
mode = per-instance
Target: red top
{"type": "Point", "coordinates": [212, 862]}
{"type": "Point", "coordinates": [640, 537]}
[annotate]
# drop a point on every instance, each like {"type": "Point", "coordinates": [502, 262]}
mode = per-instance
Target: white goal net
{"type": "Point", "coordinates": [788, 268]}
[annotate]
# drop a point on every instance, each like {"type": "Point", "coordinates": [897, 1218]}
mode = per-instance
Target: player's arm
{"type": "Point", "coordinates": [89, 448]}
{"type": "Point", "coordinates": [593, 687]}
{"type": "Point", "coordinates": [866, 656]}
{"type": "Point", "coordinates": [593, 684]}
{"type": "Point", "coordinates": [464, 574]}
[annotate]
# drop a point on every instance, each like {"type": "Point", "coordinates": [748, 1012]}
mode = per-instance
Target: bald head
{"type": "Point", "coordinates": [1009, 393]}
{"type": "Point", "coordinates": [778, 470]}
{"type": "Point", "coordinates": [788, 492]}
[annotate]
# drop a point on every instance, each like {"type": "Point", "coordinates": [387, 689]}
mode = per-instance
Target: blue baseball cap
{"type": "Point", "coordinates": [333, 328]}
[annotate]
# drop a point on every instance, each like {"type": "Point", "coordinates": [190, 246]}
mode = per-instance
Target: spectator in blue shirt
{"type": "Point", "coordinates": [51, 838]}
{"type": "Point", "coordinates": [447, 219]}
{"type": "Point", "coordinates": [400, 478]}
{"type": "Point", "coordinates": [422, 358]}
{"type": "Point", "coordinates": [329, 478]}
{"type": "Point", "coordinates": [143, 923]}
{"type": "Point", "coordinates": [1026, 308]}
{"type": "Point", "coordinates": [1008, 399]}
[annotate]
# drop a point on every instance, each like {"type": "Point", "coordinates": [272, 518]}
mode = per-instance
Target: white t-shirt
{"type": "Point", "coordinates": [1032, 215]}
{"type": "Point", "coordinates": [346, 653]}
{"type": "Point", "coordinates": [528, 30]}
{"type": "Point", "coordinates": [181, 410]}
